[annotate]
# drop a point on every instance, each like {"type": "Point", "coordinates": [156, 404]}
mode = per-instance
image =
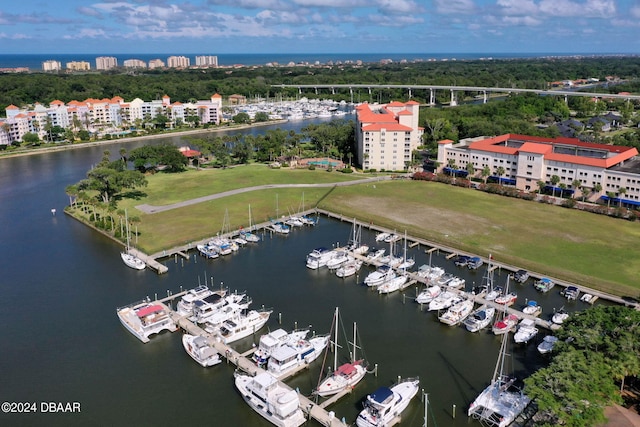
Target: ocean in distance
{"type": "Point", "coordinates": [34, 61]}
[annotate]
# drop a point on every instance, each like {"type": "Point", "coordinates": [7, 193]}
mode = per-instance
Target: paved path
{"type": "Point", "coordinates": [150, 209]}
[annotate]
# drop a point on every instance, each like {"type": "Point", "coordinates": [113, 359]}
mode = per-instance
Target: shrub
{"type": "Point", "coordinates": [371, 171]}
{"type": "Point", "coordinates": [346, 170]}
{"type": "Point", "coordinates": [312, 167]}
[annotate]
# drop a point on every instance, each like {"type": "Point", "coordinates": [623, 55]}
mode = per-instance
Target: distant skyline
{"type": "Point", "coordinates": [319, 26]}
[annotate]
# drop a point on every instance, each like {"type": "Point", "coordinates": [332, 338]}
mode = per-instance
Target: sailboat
{"type": "Point", "coordinates": [346, 375]}
{"type": "Point", "coordinates": [406, 263]}
{"type": "Point", "coordinates": [127, 257]}
{"type": "Point", "coordinates": [501, 402]}
{"type": "Point", "coordinates": [248, 235]}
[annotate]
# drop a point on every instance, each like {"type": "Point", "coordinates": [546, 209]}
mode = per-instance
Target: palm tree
{"type": "Point", "coordinates": [586, 191]}
{"type": "Point", "coordinates": [541, 185]}
{"type": "Point", "coordinates": [555, 179]}
{"type": "Point", "coordinates": [485, 173]}
{"type": "Point", "coordinates": [610, 195]}
{"type": "Point", "coordinates": [621, 192]}
{"type": "Point", "coordinates": [500, 171]}
{"type": "Point", "coordinates": [563, 187]}
{"type": "Point", "coordinates": [597, 188]}
{"type": "Point", "coordinates": [471, 169]}
{"type": "Point", "coordinates": [577, 185]}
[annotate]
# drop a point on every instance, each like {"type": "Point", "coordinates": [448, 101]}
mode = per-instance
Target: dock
{"type": "Point", "coordinates": [317, 412]}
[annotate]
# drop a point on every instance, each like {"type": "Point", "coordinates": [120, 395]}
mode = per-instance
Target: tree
{"type": "Point", "coordinates": [241, 118]}
{"type": "Point", "coordinates": [610, 196]}
{"type": "Point", "coordinates": [577, 186]}
{"type": "Point", "coordinates": [152, 156]}
{"type": "Point", "coordinates": [500, 171]}
{"type": "Point", "coordinates": [471, 170]}
{"type": "Point", "coordinates": [621, 192]}
{"type": "Point", "coordinates": [541, 185]}
{"type": "Point", "coordinates": [108, 181]}
{"type": "Point", "coordinates": [485, 173]}
{"type": "Point", "coordinates": [555, 179]}
{"type": "Point", "coordinates": [30, 138]}
{"type": "Point", "coordinates": [563, 187]}
{"type": "Point", "coordinates": [261, 116]}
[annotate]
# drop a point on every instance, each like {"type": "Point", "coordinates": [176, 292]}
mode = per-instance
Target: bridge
{"type": "Point", "coordinates": [453, 89]}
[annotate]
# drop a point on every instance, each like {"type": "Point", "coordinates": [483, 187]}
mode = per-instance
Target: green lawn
{"type": "Point", "coordinates": [589, 249]}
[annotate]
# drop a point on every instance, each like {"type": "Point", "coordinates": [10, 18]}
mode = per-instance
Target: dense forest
{"type": "Point", "coordinates": [185, 85]}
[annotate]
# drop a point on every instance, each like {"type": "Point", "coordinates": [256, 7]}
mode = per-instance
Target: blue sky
{"type": "Point", "coordinates": [319, 26]}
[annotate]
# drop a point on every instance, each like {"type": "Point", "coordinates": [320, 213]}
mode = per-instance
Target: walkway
{"type": "Point", "coordinates": [150, 209]}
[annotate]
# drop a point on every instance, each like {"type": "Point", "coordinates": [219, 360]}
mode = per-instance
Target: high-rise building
{"type": "Point", "coordinates": [106, 62]}
{"type": "Point", "coordinates": [206, 61]}
{"type": "Point", "coordinates": [78, 66]}
{"type": "Point", "coordinates": [134, 63]}
{"type": "Point", "coordinates": [51, 65]}
{"type": "Point", "coordinates": [178, 62]}
{"type": "Point", "coordinates": [156, 63]}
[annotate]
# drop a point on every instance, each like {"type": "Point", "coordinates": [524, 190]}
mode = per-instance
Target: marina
{"type": "Point", "coordinates": [78, 350]}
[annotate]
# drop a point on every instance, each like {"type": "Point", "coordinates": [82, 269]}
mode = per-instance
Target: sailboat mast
{"type": "Point", "coordinates": [354, 343]}
{"type": "Point", "coordinates": [335, 343]}
{"type": "Point", "coordinates": [126, 228]}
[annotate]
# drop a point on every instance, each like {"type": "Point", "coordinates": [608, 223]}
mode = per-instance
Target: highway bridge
{"type": "Point", "coordinates": [455, 89]}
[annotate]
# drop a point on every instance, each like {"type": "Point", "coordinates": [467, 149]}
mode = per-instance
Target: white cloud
{"type": "Point", "coordinates": [518, 7]}
{"type": "Point", "coordinates": [89, 11]}
{"type": "Point", "coordinates": [568, 8]}
{"type": "Point", "coordinates": [457, 7]}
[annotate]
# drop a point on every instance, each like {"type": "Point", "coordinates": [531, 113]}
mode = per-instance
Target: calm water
{"type": "Point", "coordinates": [62, 341]}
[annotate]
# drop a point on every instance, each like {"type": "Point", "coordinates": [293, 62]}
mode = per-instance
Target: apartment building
{"type": "Point", "coordinates": [51, 65]}
{"type": "Point", "coordinates": [178, 62]}
{"type": "Point", "coordinates": [106, 62]}
{"type": "Point", "coordinates": [78, 66]}
{"type": "Point", "coordinates": [134, 63]}
{"type": "Point", "coordinates": [386, 135]}
{"type": "Point", "coordinates": [206, 61]}
{"type": "Point", "coordinates": [156, 63]}
{"type": "Point", "coordinates": [523, 161]}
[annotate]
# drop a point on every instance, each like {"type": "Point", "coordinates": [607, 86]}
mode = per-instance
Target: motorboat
{"type": "Point", "coordinates": [457, 312]}
{"type": "Point", "coordinates": [146, 318]}
{"type": "Point", "coordinates": [385, 404]}
{"type": "Point", "coordinates": [571, 293]}
{"type": "Point", "coordinates": [544, 284]}
{"type": "Point", "coordinates": [445, 300]}
{"type": "Point", "coordinates": [480, 290]}
{"type": "Point", "coordinates": [243, 325]}
{"type": "Point", "coordinates": [456, 283]}
{"type": "Point", "coordinates": [493, 293]}
{"type": "Point", "coordinates": [507, 324]}
{"type": "Point", "coordinates": [269, 342]}
{"type": "Point", "coordinates": [280, 227]}
{"type": "Point", "coordinates": [474, 263]}
{"type": "Point", "coordinates": [560, 316]}
{"type": "Point", "coordinates": [426, 296]}
{"type": "Point", "coordinates": [349, 268]}
{"type": "Point", "coordinates": [444, 280]}
{"type": "Point", "coordinates": [520, 276]}
{"type": "Point", "coordinates": [526, 330]}
{"type": "Point", "coordinates": [378, 277]}
{"type": "Point", "coordinates": [346, 375]}
{"type": "Point", "coordinates": [547, 344]}
{"type": "Point", "coordinates": [500, 403]}
{"type": "Point", "coordinates": [423, 271]}
{"type": "Point", "coordinates": [308, 220]}
{"type": "Point", "coordinates": [319, 258]}
{"type": "Point", "coordinates": [375, 254]}
{"type": "Point", "coordinates": [391, 238]}
{"type": "Point", "coordinates": [435, 273]}
{"type": "Point", "coordinates": [132, 261]}
{"type": "Point", "coordinates": [294, 221]}
{"type": "Point", "coordinates": [339, 258]}
{"type": "Point", "coordinates": [270, 398]}
{"type": "Point", "coordinates": [200, 350]}
{"type": "Point", "coordinates": [381, 237]}
{"type": "Point", "coordinates": [393, 284]}
{"type": "Point", "coordinates": [461, 260]}
{"type": "Point", "coordinates": [249, 236]}
{"type": "Point", "coordinates": [480, 318]}
{"type": "Point", "coordinates": [288, 357]}
{"type": "Point", "coordinates": [507, 298]}
{"type": "Point", "coordinates": [532, 308]}
{"type": "Point", "coordinates": [208, 251]}
{"type": "Point", "coordinates": [186, 304]}
{"type": "Point", "coordinates": [214, 309]}
{"type": "Point", "coordinates": [588, 298]}
{"type": "Point", "coordinates": [406, 264]}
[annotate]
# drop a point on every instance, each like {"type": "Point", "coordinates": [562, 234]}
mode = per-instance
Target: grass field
{"type": "Point", "coordinates": [589, 249]}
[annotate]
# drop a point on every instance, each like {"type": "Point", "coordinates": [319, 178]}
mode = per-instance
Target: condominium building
{"type": "Point", "coordinates": [206, 61]}
{"type": "Point", "coordinates": [78, 66]}
{"type": "Point", "coordinates": [386, 135]}
{"type": "Point", "coordinates": [134, 63]}
{"type": "Point", "coordinates": [106, 62]}
{"type": "Point", "coordinates": [51, 65]}
{"type": "Point", "coordinates": [178, 62]}
{"type": "Point", "coordinates": [156, 63]}
{"type": "Point", "coordinates": [524, 161]}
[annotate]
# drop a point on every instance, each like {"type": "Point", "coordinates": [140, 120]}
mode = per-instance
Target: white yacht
{"type": "Point", "coordinates": [286, 358]}
{"type": "Point", "coordinates": [457, 312]}
{"type": "Point", "coordinates": [146, 318]}
{"type": "Point", "coordinates": [187, 303]}
{"type": "Point", "coordinates": [215, 309]}
{"type": "Point", "coordinates": [385, 404]}
{"type": "Point", "coordinates": [532, 308]}
{"type": "Point", "coordinates": [349, 268]}
{"type": "Point", "coordinates": [249, 236]}
{"type": "Point", "coordinates": [271, 399]}
{"type": "Point", "coordinates": [380, 237]}
{"type": "Point", "coordinates": [435, 273]}
{"type": "Point", "coordinates": [208, 251]}
{"type": "Point", "coordinates": [501, 402]}
{"type": "Point", "coordinates": [280, 227]}
{"type": "Point", "coordinates": [269, 342]}
{"type": "Point", "coordinates": [426, 296]}
{"type": "Point", "coordinates": [375, 254]}
{"type": "Point", "coordinates": [505, 325]}
{"type": "Point", "coordinates": [339, 258]}
{"type": "Point", "coordinates": [200, 350]}
{"type": "Point", "coordinates": [319, 258]}
{"type": "Point", "coordinates": [378, 277]}
{"type": "Point", "coordinates": [480, 318]}
{"type": "Point", "coordinates": [392, 285]}
{"type": "Point", "coordinates": [560, 316]}
{"type": "Point", "coordinates": [526, 330]}
{"type": "Point", "coordinates": [445, 300]}
{"type": "Point", "coordinates": [132, 261]}
{"type": "Point", "coordinates": [243, 325]}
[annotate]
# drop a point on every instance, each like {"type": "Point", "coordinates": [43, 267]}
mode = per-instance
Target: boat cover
{"type": "Point", "coordinates": [381, 394]}
{"type": "Point", "coordinates": [149, 310]}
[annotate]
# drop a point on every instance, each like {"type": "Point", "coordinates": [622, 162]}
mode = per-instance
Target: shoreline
{"type": "Point", "coordinates": [54, 149]}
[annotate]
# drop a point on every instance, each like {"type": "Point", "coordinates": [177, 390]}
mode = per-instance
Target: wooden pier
{"type": "Point", "coordinates": [310, 408]}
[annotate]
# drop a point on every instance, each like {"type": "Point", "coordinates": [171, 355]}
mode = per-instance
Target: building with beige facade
{"type": "Point", "coordinates": [178, 62]}
{"type": "Point", "coordinates": [134, 63]}
{"type": "Point", "coordinates": [386, 135]}
{"type": "Point", "coordinates": [78, 66]}
{"type": "Point", "coordinates": [156, 63]}
{"type": "Point", "coordinates": [206, 61]}
{"type": "Point", "coordinates": [106, 62]}
{"type": "Point", "coordinates": [524, 161]}
{"type": "Point", "coordinates": [51, 65]}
